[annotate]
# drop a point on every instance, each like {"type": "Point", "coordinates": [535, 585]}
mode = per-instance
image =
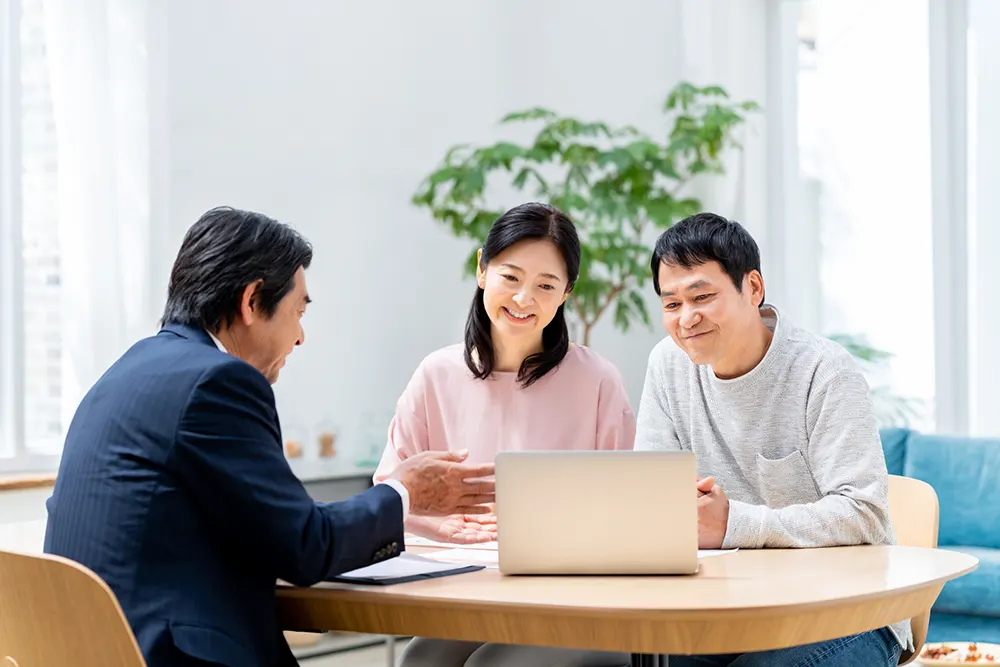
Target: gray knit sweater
{"type": "Point", "coordinates": [793, 443]}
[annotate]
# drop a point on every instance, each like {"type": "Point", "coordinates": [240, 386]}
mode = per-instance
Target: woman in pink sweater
{"type": "Point", "coordinates": [517, 383]}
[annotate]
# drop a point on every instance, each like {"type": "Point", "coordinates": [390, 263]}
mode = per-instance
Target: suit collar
{"type": "Point", "coordinates": [191, 333]}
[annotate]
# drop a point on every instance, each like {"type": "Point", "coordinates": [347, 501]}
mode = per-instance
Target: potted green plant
{"type": "Point", "coordinates": [620, 186]}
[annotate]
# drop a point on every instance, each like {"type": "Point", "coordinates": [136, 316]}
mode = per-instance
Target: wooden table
{"type": "Point", "coordinates": [743, 601]}
{"type": "Point", "coordinates": [750, 600]}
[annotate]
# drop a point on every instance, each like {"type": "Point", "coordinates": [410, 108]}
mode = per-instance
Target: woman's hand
{"type": "Point", "coordinates": [455, 528]}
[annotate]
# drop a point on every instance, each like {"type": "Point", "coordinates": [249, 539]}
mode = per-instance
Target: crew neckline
{"type": "Point", "coordinates": [775, 323]}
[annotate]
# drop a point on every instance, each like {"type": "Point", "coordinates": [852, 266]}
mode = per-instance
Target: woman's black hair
{"type": "Point", "coordinates": [524, 222]}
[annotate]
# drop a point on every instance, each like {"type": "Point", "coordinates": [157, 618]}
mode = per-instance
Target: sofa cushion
{"type": "Point", "coordinates": [977, 592]}
{"type": "Point", "coordinates": [963, 472]}
{"type": "Point", "coordinates": [963, 627]}
{"type": "Point", "coordinates": [894, 448]}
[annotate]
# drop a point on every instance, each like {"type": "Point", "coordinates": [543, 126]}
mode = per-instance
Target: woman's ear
{"type": "Point", "coordinates": [480, 271]}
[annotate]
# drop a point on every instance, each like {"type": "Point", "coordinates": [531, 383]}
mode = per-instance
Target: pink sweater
{"type": "Point", "coordinates": [580, 404]}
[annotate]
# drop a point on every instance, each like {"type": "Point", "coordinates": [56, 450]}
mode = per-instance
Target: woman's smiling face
{"type": "Point", "coordinates": [523, 288]}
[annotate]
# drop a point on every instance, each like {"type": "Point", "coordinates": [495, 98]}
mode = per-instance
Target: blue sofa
{"type": "Point", "coordinates": [965, 473]}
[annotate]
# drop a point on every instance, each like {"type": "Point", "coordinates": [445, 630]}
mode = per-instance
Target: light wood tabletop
{"type": "Point", "coordinates": [749, 600]}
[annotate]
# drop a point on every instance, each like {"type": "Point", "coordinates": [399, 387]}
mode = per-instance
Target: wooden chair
{"type": "Point", "coordinates": [913, 509]}
{"type": "Point", "coordinates": [57, 612]}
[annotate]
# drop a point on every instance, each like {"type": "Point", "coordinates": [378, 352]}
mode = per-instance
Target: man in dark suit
{"type": "Point", "coordinates": [173, 485]}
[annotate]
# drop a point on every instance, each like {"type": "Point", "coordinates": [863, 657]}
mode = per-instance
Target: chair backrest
{"type": "Point", "coordinates": [57, 612]}
{"type": "Point", "coordinates": [913, 509]}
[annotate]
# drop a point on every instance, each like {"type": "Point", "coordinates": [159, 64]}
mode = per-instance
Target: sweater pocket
{"type": "Point", "coordinates": [786, 481]}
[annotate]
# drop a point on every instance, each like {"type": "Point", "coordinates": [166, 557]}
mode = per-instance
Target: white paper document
{"type": "Point", "coordinates": [455, 550]}
{"type": "Point", "coordinates": [463, 556]}
{"type": "Point", "coordinates": [705, 553]}
{"type": "Point", "coordinates": [404, 565]}
{"type": "Point", "coordinates": [414, 540]}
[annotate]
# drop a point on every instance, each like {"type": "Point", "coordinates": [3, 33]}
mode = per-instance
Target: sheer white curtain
{"type": "Point", "coordinates": [724, 43]}
{"type": "Point", "coordinates": [97, 52]}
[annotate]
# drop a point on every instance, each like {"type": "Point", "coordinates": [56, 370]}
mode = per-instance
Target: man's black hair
{"type": "Point", "coordinates": [706, 237]}
{"type": "Point", "coordinates": [223, 252]}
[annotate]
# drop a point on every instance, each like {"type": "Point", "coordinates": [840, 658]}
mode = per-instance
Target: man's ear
{"type": "Point", "coordinates": [248, 302]}
{"type": "Point", "coordinates": [755, 282]}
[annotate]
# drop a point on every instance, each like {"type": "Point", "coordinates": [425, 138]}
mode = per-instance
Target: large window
{"type": "Point", "coordinates": [42, 330]}
{"type": "Point", "coordinates": [865, 174]}
{"type": "Point", "coordinates": [74, 210]}
{"type": "Point", "coordinates": [886, 106]}
{"type": "Point", "coordinates": [31, 327]}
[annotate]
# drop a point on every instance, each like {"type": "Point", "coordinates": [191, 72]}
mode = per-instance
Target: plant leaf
{"type": "Point", "coordinates": [534, 113]}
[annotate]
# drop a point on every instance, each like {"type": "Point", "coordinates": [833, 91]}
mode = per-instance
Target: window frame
{"type": "Point", "coordinates": [949, 93]}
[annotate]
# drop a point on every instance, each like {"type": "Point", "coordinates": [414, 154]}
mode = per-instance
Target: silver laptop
{"type": "Point", "coordinates": [597, 512]}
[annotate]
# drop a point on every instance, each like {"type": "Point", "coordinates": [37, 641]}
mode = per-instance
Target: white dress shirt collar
{"type": "Point", "coordinates": [218, 343]}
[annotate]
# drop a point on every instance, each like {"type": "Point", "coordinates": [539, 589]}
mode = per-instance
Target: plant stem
{"type": "Point", "coordinates": [588, 324]}
{"type": "Point", "coordinates": [576, 305]}
{"type": "Point", "coordinates": [612, 295]}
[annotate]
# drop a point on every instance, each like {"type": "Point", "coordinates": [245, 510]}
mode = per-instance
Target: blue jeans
{"type": "Point", "coordinates": [876, 648]}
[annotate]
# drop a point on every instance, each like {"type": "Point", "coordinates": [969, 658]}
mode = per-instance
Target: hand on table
{"type": "Point", "coordinates": [456, 529]}
{"type": "Point", "coordinates": [713, 513]}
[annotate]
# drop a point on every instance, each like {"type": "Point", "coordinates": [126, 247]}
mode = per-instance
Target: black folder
{"type": "Point", "coordinates": [386, 581]}
{"type": "Point", "coordinates": [401, 569]}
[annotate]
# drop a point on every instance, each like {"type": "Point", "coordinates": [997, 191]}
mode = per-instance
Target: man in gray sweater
{"type": "Point", "coordinates": [780, 419]}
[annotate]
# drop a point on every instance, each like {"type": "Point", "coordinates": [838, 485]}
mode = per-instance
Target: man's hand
{"type": "Point", "coordinates": [457, 528]}
{"type": "Point", "coordinates": [713, 514]}
{"type": "Point", "coordinates": [704, 485]}
{"type": "Point", "coordinates": [440, 485]}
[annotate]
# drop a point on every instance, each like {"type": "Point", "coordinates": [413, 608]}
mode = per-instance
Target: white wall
{"type": "Point", "coordinates": [327, 115]}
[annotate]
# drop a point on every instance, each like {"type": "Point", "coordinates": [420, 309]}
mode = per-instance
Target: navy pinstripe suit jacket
{"type": "Point", "coordinates": [173, 487]}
